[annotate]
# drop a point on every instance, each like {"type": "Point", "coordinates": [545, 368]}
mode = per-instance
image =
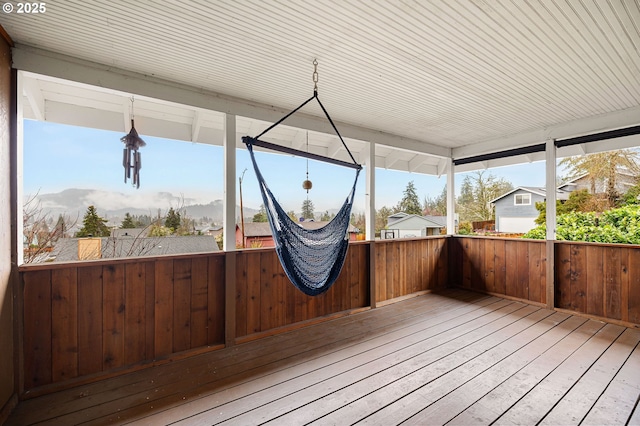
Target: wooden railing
{"type": "Point", "coordinates": [82, 319]}
{"type": "Point", "coordinates": [266, 300]}
{"type": "Point", "coordinates": [85, 320]}
{"type": "Point", "coordinates": [507, 267]}
{"type": "Point", "coordinates": [599, 279]}
{"type": "Point", "coordinates": [404, 267]}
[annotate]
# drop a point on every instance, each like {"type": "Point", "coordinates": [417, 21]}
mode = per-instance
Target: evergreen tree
{"type": "Point", "coordinates": [307, 209]}
{"type": "Point", "coordinates": [261, 216]}
{"type": "Point", "coordinates": [93, 225]}
{"type": "Point", "coordinates": [326, 217]}
{"type": "Point", "coordinates": [410, 203]}
{"type": "Point", "coordinates": [128, 222]}
{"type": "Point", "coordinates": [172, 220]}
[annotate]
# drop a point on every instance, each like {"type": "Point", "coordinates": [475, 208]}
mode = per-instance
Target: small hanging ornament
{"type": "Point", "coordinates": [307, 183]}
{"type": "Point", "coordinates": [131, 158]}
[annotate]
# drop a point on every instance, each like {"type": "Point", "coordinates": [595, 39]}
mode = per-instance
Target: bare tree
{"type": "Point", "coordinates": [39, 236]}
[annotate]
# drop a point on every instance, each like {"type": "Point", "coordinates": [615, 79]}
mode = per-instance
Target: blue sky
{"type": "Point", "coordinates": [58, 156]}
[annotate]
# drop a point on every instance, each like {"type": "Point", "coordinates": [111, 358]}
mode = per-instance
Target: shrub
{"type": "Point", "coordinates": [621, 225]}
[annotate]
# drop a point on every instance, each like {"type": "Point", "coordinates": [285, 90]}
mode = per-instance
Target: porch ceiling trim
{"type": "Point", "coordinates": [52, 64]}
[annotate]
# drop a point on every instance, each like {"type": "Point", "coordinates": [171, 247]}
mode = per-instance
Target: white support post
{"type": "Point", "coordinates": [370, 203]}
{"type": "Point", "coordinates": [451, 198]}
{"type": "Point", "coordinates": [19, 168]}
{"type": "Point", "coordinates": [229, 203]}
{"type": "Point", "coordinates": [550, 158]}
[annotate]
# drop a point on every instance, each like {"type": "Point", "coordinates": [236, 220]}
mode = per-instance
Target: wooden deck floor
{"type": "Point", "coordinates": [452, 358]}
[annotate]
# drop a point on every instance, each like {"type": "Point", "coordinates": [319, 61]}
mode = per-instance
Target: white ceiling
{"type": "Point", "coordinates": [452, 78]}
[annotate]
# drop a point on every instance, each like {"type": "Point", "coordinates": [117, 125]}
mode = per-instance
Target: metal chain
{"type": "Point", "coordinates": [315, 75]}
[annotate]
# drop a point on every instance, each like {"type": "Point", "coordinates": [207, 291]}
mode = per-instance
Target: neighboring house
{"type": "Point", "coordinates": [624, 181]}
{"type": "Point", "coordinates": [404, 225]}
{"type": "Point", "coordinates": [258, 234]}
{"type": "Point", "coordinates": [71, 249]}
{"type": "Point", "coordinates": [516, 210]}
{"type": "Point", "coordinates": [212, 231]}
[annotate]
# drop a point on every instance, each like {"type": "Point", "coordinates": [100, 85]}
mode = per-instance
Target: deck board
{"type": "Point", "coordinates": [453, 357]}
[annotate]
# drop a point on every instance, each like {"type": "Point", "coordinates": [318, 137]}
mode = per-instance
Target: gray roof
{"type": "Point", "coordinates": [262, 229]}
{"type": "Point", "coordinates": [561, 194]}
{"type": "Point", "coordinates": [429, 221]}
{"type": "Point", "coordinates": [66, 249]}
{"type": "Point", "coordinates": [440, 220]}
{"type": "Point", "coordinates": [129, 232]}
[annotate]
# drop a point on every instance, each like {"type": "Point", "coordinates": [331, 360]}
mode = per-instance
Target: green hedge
{"type": "Point", "coordinates": [621, 225]}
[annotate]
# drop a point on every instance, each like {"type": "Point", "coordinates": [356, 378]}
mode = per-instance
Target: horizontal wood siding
{"type": "Point", "coordinates": [266, 299]}
{"type": "Point", "coordinates": [89, 318]}
{"type": "Point", "coordinates": [403, 267]}
{"type": "Point", "coordinates": [502, 266]}
{"type": "Point", "coordinates": [599, 279]}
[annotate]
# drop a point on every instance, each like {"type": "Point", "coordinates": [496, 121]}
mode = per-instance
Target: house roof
{"type": "Point", "coordinates": [128, 232]}
{"type": "Point", "coordinates": [427, 221]}
{"type": "Point", "coordinates": [256, 229]}
{"type": "Point", "coordinates": [262, 229]}
{"type": "Point", "coordinates": [494, 75]}
{"type": "Point", "coordinates": [440, 220]}
{"type": "Point", "coordinates": [560, 193]}
{"type": "Point", "coordinates": [66, 249]}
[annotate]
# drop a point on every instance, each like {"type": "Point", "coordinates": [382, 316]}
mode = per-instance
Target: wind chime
{"type": "Point", "coordinates": [131, 158]}
{"type": "Point", "coordinates": [307, 183]}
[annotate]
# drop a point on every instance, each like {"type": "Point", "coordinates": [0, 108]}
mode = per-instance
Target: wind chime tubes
{"type": "Point", "coordinates": [131, 158]}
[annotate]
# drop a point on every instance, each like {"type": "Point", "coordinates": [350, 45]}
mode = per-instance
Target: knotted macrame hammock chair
{"type": "Point", "coordinates": [311, 258]}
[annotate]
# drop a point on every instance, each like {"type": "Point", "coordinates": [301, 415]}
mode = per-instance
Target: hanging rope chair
{"type": "Point", "coordinates": [311, 258]}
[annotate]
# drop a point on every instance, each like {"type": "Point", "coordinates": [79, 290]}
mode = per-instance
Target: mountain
{"type": "Point", "coordinates": [112, 205]}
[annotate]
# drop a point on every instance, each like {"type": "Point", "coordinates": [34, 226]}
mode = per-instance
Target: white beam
{"type": "Point", "coordinates": [584, 126]}
{"type": "Point", "coordinates": [299, 140]}
{"type": "Point", "coordinates": [20, 195]}
{"type": "Point", "coordinates": [415, 162]}
{"type": "Point", "coordinates": [370, 189]}
{"type": "Point", "coordinates": [334, 147]}
{"type": "Point", "coordinates": [35, 98]}
{"type": "Point", "coordinates": [196, 125]}
{"type": "Point", "coordinates": [126, 115]}
{"type": "Point", "coordinates": [101, 75]}
{"type": "Point", "coordinates": [451, 197]}
{"type": "Point", "coordinates": [551, 188]}
{"type": "Point", "coordinates": [229, 202]}
{"type": "Point", "coordinates": [583, 148]}
{"type": "Point", "coordinates": [391, 159]}
{"type": "Point", "coordinates": [442, 166]}
{"type": "Point", "coordinates": [550, 158]}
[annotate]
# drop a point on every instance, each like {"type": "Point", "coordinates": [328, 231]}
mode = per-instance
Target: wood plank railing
{"type": "Point", "coordinates": [266, 300]}
{"type": "Point", "coordinates": [90, 319]}
{"type": "Point", "coordinates": [85, 320]}
{"type": "Point", "coordinates": [82, 319]}
{"type": "Point", "coordinates": [502, 266]}
{"type": "Point", "coordinates": [408, 266]}
{"type": "Point", "coordinates": [598, 279]}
